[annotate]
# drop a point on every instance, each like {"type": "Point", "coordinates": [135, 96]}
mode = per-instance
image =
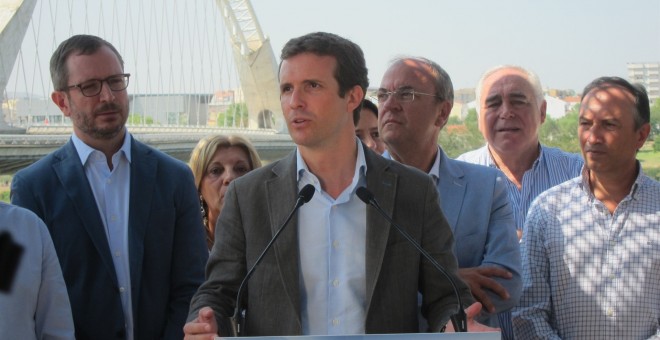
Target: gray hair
{"type": "Point", "coordinates": [532, 78]}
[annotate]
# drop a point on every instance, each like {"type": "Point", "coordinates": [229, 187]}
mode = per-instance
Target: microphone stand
{"type": "Point", "coordinates": [236, 321]}
{"type": "Point", "coordinates": [458, 320]}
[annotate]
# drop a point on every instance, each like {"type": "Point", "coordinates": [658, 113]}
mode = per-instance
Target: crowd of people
{"type": "Point", "coordinates": [124, 242]}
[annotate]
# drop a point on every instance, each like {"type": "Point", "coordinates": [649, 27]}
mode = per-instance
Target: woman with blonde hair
{"type": "Point", "coordinates": [215, 162]}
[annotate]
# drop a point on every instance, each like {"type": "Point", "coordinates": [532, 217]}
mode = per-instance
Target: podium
{"type": "Point", "coordinates": [400, 336]}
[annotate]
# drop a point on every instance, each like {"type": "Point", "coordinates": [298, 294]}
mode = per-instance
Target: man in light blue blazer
{"type": "Point", "coordinates": [124, 218]}
{"type": "Point", "coordinates": [415, 98]}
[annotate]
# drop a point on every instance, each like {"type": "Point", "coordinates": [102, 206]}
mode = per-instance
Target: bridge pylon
{"type": "Point", "coordinates": [256, 64]}
{"type": "Point", "coordinates": [14, 20]}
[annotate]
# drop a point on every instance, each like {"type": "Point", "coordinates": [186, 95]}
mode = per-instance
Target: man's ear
{"type": "Point", "coordinates": [443, 115]}
{"type": "Point", "coordinates": [642, 135]}
{"type": "Point", "coordinates": [61, 99]}
{"type": "Point", "coordinates": [355, 97]}
{"type": "Point", "coordinates": [544, 107]}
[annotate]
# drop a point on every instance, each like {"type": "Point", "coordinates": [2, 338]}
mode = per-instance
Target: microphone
{"type": "Point", "coordinates": [305, 194]}
{"type": "Point", "coordinates": [459, 320]}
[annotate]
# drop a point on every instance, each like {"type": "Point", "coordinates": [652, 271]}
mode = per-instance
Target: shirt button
{"type": "Point", "coordinates": [117, 253]}
{"type": "Point", "coordinates": [610, 311]}
{"type": "Point", "coordinates": [335, 322]}
{"type": "Point", "coordinates": [122, 289]}
{"type": "Point", "coordinates": [335, 244]}
{"type": "Point", "coordinates": [335, 282]}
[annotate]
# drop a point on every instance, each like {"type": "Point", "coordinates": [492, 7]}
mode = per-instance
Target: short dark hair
{"type": "Point", "coordinates": [351, 67]}
{"type": "Point", "coordinates": [642, 113]}
{"type": "Point", "coordinates": [81, 44]}
{"type": "Point", "coordinates": [369, 105]}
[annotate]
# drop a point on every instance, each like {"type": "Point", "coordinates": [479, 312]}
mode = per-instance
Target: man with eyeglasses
{"type": "Point", "coordinates": [124, 217]}
{"type": "Point", "coordinates": [415, 97]}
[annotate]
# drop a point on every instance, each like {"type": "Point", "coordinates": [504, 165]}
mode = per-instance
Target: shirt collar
{"type": "Point", "coordinates": [84, 150]}
{"type": "Point", "coordinates": [490, 161]}
{"type": "Point", "coordinates": [634, 189]}
{"type": "Point", "coordinates": [303, 172]}
{"type": "Point", "coordinates": [435, 169]}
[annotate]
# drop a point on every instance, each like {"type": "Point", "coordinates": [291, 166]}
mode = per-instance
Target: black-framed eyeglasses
{"type": "Point", "coordinates": [91, 88]}
{"type": "Point", "coordinates": [402, 95]}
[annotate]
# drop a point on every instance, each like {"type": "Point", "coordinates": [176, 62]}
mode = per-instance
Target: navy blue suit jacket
{"type": "Point", "coordinates": [167, 250]}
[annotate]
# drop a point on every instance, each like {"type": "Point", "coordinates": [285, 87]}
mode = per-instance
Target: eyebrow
{"type": "Point", "coordinates": [404, 87]}
{"type": "Point", "coordinates": [518, 95]}
{"type": "Point", "coordinates": [493, 98]}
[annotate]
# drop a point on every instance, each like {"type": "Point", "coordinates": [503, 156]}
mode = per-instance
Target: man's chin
{"type": "Point", "coordinates": [107, 133]}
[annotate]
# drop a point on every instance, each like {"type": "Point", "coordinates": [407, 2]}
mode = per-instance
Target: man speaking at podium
{"type": "Point", "coordinates": [339, 268]}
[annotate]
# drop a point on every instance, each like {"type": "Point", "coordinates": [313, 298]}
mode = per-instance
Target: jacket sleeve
{"type": "Point", "coordinates": [439, 301]}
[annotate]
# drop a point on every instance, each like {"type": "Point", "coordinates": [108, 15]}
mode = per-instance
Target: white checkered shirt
{"type": "Point", "coordinates": [589, 274]}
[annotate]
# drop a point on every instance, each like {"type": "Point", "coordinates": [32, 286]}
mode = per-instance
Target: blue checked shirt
{"type": "Point", "coordinates": [589, 274]}
{"type": "Point", "coordinates": [553, 167]}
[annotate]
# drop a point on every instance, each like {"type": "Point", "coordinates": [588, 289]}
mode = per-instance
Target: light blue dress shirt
{"type": "Point", "coordinates": [553, 167]}
{"type": "Point", "coordinates": [332, 243]}
{"type": "Point", "coordinates": [111, 190]}
{"type": "Point", "coordinates": [37, 307]}
{"type": "Point", "coordinates": [589, 273]}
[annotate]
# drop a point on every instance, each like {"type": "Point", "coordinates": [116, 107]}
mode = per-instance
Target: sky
{"type": "Point", "coordinates": [567, 43]}
{"type": "Point", "coordinates": [181, 46]}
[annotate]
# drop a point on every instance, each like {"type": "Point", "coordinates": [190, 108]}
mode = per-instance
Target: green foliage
{"type": "Point", "coordinates": [561, 133]}
{"type": "Point", "coordinates": [456, 140]}
{"type": "Point", "coordinates": [453, 120]}
{"type": "Point", "coordinates": [235, 116]}
{"type": "Point", "coordinates": [138, 119]}
{"type": "Point", "coordinates": [655, 121]}
{"type": "Point", "coordinates": [652, 172]}
{"type": "Point", "coordinates": [5, 181]}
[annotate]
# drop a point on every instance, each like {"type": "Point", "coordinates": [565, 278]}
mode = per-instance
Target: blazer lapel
{"type": "Point", "coordinates": [74, 182]}
{"type": "Point", "coordinates": [452, 189]}
{"type": "Point", "coordinates": [383, 185]}
{"type": "Point", "coordinates": [143, 167]}
{"type": "Point", "coordinates": [282, 193]}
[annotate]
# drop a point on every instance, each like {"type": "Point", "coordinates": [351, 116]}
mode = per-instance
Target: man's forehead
{"type": "Point", "coordinates": [508, 83]}
{"type": "Point", "coordinates": [606, 96]}
{"type": "Point", "coordinates": [308, 64]}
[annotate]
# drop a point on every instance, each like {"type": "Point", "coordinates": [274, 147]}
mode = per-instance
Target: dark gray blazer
{"type": "Point", "coordinates": [258, 203]}
{"type": "Point", "coordinates": [167, 247]}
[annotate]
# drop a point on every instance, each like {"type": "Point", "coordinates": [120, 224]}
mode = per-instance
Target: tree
{"type": "Point", "coordinates": [235, 116]}
{"type": "Point", "coordinates": [655, 120]}
{"type": "Point", "coordinates": [562, 132]}
{"type": "Point", "coordinates": [138, 119]}
{"type": "Point", "coordinates": [456, 139]}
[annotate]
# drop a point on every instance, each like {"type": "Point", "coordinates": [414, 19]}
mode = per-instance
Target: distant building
{"type": "Point", "coordinates": [464, 96]}
{"type": "Point", "coordinates": [24, 109]}
{"type": "Point", "coordinates": [172, 109]}
{"type": "Point", "coordinates": [647, 74]}
{"type": "Point", "coordinates": [561, 94]}
{"type": "Point", "coordinates": [459, 110]}
{"type": "Point", "coordinates": [555, 107]}
{"type": "Point", "coordinates": [572, 101]}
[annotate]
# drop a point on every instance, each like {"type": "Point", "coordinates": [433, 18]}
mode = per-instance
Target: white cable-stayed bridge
{"type": "Point", "coordinates": [197, 68]}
